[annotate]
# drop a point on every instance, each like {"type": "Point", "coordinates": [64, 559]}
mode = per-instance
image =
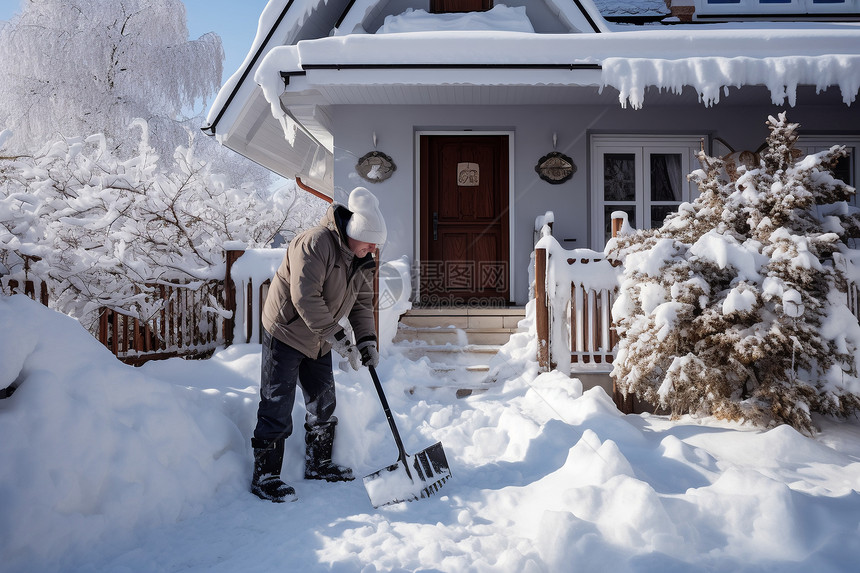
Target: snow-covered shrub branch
{"type": "Point", "coordinates": [734, 307]}
{"type": "Point", "coordinates": [102, 229]}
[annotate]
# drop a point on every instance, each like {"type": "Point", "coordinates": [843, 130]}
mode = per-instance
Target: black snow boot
{"type": "Point", "coordinates": [266, 483]}
{"type": "Point", "coordinates": [318, 465]}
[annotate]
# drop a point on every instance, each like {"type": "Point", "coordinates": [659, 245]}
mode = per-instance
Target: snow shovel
{"type": "Point", "coordinates": [411, 477]}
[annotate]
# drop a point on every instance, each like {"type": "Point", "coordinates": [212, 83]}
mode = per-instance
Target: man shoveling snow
{"type": "Point", "coordinates": [326, 275]}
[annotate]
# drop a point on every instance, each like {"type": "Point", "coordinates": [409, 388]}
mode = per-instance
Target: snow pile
{"type": "Point", "coordinates": [94, 448]}
{"type": "Point", "coordinates": [110, 468]}
{"type": "Point", "coordinates": [499, 18]}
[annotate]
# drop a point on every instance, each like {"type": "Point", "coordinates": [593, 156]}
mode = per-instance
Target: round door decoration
{"type": "Point", "coordinates": [375, 166]}
{"type": "Point", "coordinates": [555, 167]}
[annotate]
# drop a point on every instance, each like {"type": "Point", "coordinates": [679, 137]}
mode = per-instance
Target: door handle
{"type": "Point", "coordinates": [435, 226]}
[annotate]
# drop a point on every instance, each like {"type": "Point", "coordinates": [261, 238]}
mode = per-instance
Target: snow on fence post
{"type": "Point", "coordinates": [249, 310]}
{"type": "Point", "coordinates": [232, 255]}
{"type": "Point", "coordinates": [617, 222]}
{"type": "Point", "coordinates": [263, 292]}
{"type": "Point", "coordinates": [250, 274]}
{"type": "Point", "coordinates": [542, 310]}
{"type": "Point", "coordinates": [542, 228]}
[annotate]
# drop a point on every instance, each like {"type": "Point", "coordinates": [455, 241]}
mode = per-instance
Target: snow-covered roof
{"type": "Point", "coordinates": [501, 56]}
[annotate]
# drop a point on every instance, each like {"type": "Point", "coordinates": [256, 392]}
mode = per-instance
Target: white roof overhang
{"type": "Point", "coordinates": [299, 82]}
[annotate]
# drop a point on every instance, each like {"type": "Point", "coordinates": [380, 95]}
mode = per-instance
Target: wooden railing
{"type": "Point", "coordinates": [574, 293]}
{"type": "Point", "coordinates": [27, 287]}
{"type": "Point", "coordinates": [188, 324]}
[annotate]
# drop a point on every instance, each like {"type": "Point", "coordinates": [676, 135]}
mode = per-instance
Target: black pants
{"type": "Point", "coordinates": [282, 368]}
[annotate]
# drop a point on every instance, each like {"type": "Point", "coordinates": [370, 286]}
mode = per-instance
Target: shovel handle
{"type": "Point", "coordinates": [400, 449]}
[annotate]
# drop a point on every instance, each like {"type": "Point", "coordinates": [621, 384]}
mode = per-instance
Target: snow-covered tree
{"type": "Point", "coordinates": [103, 228]}
{"type": "Point", "coordinates": [74, 66]}
{"type": "Point", "coordinates": [69, 67]}
{"type": "Point", "coordinates": [734, 307]}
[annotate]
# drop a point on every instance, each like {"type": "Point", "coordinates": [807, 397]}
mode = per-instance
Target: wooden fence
{"type": "Point", "coordinates": [27, 287]}
{"type": "Point", "coordinates": [189, 324]}
{"type": "Point", "coordinates": [194, 318]}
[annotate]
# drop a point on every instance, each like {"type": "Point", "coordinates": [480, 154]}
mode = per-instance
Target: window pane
{"type": "Point", "coordinates": [666, 177]}
{"type": "Point", "coordinates": [842, 169]}
{"type": "Point", "coordinates": [619, 177]}
{"type": "Point", "coordinates": [441, 6]}
{"type": "Point", "coordinates": [607, 217]}
{"type": "Point", "coordinates": [659, 214]}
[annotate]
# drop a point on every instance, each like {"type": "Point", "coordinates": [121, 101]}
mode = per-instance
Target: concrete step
{"type": "Point", "coordinates": [459, 343]}
{"type": "Point", "coordinates": [466, 318]}
{"type": "Point", "coordinates": [482, 326]}
{"type": "Point", "coordinates": [440, 335]}
{"type": "Point", "coordinates": [461, 369]}
{"type": "Point", "coordinates": [472, 355]}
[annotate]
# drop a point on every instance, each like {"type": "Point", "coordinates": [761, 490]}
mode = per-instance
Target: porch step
{"type": "Point", "coordinates": [459, 343]}
{"type": "Point", "coordinates": [440, 336]}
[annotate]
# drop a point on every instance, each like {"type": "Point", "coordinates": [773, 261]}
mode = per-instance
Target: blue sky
{"type": "Point", "coordinates": [234, 20]}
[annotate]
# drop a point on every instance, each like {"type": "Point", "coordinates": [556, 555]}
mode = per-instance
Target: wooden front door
{"type": "Point", "coordinates": [464, 220]}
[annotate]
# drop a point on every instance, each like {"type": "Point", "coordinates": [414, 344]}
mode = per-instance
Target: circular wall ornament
{"type": "Point", "coordinates": [555, 167]}
{"type": "Point", "coordinates": [375, 166]}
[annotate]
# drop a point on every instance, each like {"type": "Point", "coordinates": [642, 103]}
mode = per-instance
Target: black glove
{"type": "Point", "coordinates": [343, 346]}
{"type": "Point", "coordinates": [369, 353]}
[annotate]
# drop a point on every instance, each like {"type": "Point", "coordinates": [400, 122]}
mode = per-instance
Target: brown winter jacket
{"type": "Point", "coordinates": [319, 282]}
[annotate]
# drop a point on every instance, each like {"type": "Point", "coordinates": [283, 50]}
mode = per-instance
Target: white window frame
{"type": "Point", "coordinates": [641, 146]}
{"type": "Point", "coordinates": [756, 7]}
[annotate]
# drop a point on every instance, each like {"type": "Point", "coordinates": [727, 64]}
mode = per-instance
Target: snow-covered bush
{"type": "Point", "coordinates": [101, 229]}
{"type": "Point", "coordinates": [734, 307]}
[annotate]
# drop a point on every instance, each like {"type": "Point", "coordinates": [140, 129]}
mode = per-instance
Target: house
{"type": "Point", "coordinates": [470, 119]}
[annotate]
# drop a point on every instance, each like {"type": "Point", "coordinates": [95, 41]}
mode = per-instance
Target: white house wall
{"type": "Point", "coordinates": [743, 126]}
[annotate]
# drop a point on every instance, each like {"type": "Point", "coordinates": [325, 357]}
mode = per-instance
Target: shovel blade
{"type": "Point", "coordinates": [415, 477]}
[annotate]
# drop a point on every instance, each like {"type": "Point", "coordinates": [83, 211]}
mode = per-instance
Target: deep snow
{"type": "Point", "coordinates": [110, 468]}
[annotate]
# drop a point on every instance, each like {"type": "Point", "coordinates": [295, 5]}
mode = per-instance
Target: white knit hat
{"type": "Point", "coordinates": [366, 223]}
